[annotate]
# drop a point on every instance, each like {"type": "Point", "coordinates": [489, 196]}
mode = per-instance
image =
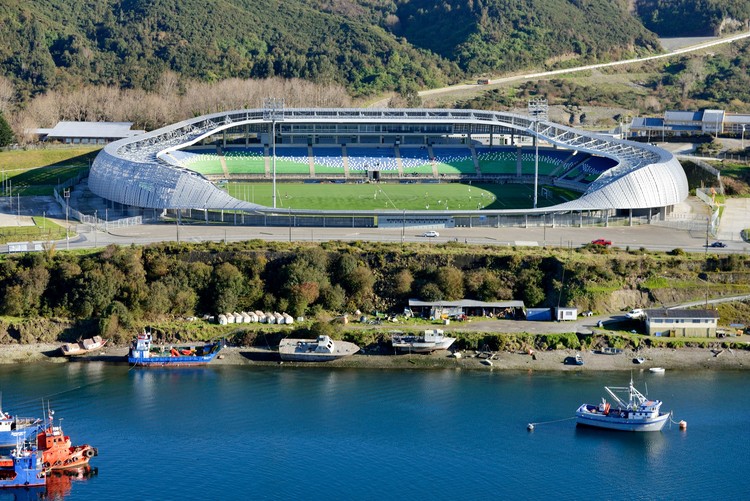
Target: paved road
{"type": "Point", "coordinates": [650, 237]}
{"type": "Point", "coordinates": [544, 74]}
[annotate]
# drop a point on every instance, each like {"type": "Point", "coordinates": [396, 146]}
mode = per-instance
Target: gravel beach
{"type": "Point", "coordinates": [555, 360]}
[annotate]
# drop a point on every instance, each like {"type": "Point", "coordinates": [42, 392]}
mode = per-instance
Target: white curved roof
{"type": "Point", "coordinates": [137, 171]}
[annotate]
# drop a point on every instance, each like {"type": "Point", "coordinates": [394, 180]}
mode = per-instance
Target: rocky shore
{"type": "Point", "coordinates": [554, 360]}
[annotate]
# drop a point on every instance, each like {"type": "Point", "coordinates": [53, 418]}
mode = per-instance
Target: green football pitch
{"type": "Point", "coordinates": [384, 196]}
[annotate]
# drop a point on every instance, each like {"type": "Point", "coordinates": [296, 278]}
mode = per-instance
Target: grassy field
{"type": "Point", "coordinates": [365, 196]}
{"type": "Point", "coordinates": [36, 172]}
{"type": "Point", "coordinates": [44, 230]}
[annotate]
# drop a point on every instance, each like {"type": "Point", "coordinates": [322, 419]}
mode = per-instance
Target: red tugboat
{"type": "Point", "coordinates": [57, 451]}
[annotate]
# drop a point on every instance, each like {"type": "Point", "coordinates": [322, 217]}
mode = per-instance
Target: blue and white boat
{"type": "Point", "coordinates": [24, 468]}
{"type": "Point", "coordinates": [14, 428]}
{"type": "Point", "coordinates": [637, 413]}
{"type": "Point", "coordinates": [143, 353]}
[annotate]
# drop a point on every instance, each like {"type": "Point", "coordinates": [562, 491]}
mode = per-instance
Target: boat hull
{"type": "Point", "coordinates": [418, 347]}
{"type": "Point", "coordinates": [186, 361]}
{"type": "Point", "coordinates": [621, 424]}
{"type": "Point", "coordinates": [145, 358]}
{"type": "Point", "coordinates": [303, 350]}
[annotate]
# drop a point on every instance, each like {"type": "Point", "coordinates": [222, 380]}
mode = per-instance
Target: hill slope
{"type": "Point", "coordinates": [368, 45]}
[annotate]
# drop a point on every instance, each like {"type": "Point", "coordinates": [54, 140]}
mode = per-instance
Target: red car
{"type": "Point", "coordinates": [601, 241]}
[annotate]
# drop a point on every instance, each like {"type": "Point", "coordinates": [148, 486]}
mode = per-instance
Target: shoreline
{"type": "Point", "coordinates": [553, 360]}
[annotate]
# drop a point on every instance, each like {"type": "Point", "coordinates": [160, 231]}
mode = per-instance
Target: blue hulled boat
{"type": "Point", "coordinates": [24, 468]}
{"type": "Point", "coordinates": [143, 353]}
{"type": "Point", "coordinates": [14, 428]}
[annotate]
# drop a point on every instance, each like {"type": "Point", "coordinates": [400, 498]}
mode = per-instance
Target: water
{"type": "Point", "coordinates": [285, 433]}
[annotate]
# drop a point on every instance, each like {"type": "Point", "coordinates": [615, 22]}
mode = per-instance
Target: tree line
{"type": "Point", "coordinates": [122, 286]}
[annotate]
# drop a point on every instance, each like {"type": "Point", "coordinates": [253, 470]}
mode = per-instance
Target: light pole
{"type": "Point", "coordinates": [66, 194]}
{"type": "Point", "coordinates": [539, 110]}
{"type": "Point", "coordinates": [273, 110]}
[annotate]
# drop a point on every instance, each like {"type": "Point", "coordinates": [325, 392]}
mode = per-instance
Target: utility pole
{"type": "Point", "coordinates": [273, 111]}
{"type": "Point", "coordinates": [66, 194]}
{"type": "Point", "coordinates": [539, 110]}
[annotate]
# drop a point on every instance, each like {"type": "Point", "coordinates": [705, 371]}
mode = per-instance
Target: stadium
{"type": "Point", "coordinates": [522, 169]}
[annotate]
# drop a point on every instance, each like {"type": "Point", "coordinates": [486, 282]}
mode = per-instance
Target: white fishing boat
{"type": "Point", "coordinates": [657, 370]}
{"type": "Point", "coordinates": [637, 413]}
{"type": "Point", "coordinates": [320, 350]}
{"type": "Point", "coordinates": [430, 340]}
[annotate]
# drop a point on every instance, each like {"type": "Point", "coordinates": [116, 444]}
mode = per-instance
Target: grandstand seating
{"type": "Point", "coordinates": [453, 160]}
{"type": "Point", "coordinates": [292, 160]}
{"type": "Point", "coordinates": [592, 168]}
{"type": "Point", "coordinates": [205, 162]}
{"type": "Point", "coordinates": [549, 160]}
{"type": "Point", "coordinates": [380, 158]}
{"type": "Point", "coordinates": [328, 160]}
{"type": "Point", "coordinates": [497, 160]}
{"type": "Point", "coordinates": [250, 160]}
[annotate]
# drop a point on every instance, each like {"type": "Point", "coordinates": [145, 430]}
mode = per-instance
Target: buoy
{"type": "Point", "coordinates": [683, 425]}
{"type": "Point", "coordinates": [530, 427]}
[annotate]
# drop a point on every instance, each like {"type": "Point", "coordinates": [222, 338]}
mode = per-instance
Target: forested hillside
{"type": "Point", "coordinates": [367, 45]}
{"type": "Point", "coordinates": [679, 18]}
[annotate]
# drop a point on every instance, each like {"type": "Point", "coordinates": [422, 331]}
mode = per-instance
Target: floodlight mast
{"type": "Point", "coordinates": [539, 110]}
{"type": "Point", "coordinates": [273, 110]}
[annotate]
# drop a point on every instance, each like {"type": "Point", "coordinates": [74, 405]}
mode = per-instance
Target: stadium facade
{"type": "Point", "coordinates": [143, 172]}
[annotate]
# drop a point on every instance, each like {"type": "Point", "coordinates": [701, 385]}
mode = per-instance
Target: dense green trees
{"type": "Point", "coordinates": [672, 18]}
{"type": "Point", "coordinates": [6, 134]}
{"type": "Point", "coordinates": [122, 287]}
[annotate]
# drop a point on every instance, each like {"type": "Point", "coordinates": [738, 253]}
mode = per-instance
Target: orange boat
{"type": "Point", "coordinates": [58, 453]}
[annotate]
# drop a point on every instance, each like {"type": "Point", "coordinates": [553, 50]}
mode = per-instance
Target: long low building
{"type": "Point", "coordinates": [681, 323]}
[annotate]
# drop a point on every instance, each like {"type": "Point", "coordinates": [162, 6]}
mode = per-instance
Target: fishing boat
{"type": "Point", "coordinates": [430, 340]}
{"type": "Point", "coordinates": [320, 350]}
{"type": "Point", "coordinates": [13, 428]}
{"type": "Point", "coordinates": [25, 468]}
{"type": "Point", "coordinates": [83, 347]}
{"type": "Point", "coordinates": [144, 354]}
{"type": "Point", "coordinates": [57, 451]}
{"type": "Point", "coordinates": [637, 413]}
{"type": "Point", "coordinates": [657, 370]}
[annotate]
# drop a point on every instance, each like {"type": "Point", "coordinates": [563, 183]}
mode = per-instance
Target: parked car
{"type": "Point", "coordinates": [431, 234]}
{"type": "Point", "coordinates": [636, 313]}
{"type": "Point", "coordinates": [601, 241]}
{"type": "Point", "coordinates": [587, 313]}
{"type": "Point", "coordinates": [718, 244]}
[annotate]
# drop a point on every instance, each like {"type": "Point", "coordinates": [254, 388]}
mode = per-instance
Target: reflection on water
{"type": "Point", "coordinates": [58, 486]}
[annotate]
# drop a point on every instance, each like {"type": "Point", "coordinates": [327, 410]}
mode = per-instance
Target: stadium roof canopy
{"type": "Point", "coordinates": [139, 172]}
{"type": "Point", "coordinates": [97, 130]}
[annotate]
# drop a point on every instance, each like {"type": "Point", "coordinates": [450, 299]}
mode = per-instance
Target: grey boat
{"type": "Point", "coordinates": [430, 340]}
{"type": "Point", "coordinates": [320, 350]}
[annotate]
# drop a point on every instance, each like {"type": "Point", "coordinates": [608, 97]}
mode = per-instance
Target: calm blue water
{"type": "Point", "coordinates": [284, 433]}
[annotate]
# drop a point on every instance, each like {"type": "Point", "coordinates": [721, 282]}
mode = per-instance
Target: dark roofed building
{"type": "Point", "coordinates": [468, 307]}
{"type": "Point", "coordinates": [681, 323]}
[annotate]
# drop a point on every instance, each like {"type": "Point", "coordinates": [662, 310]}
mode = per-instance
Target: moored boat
{"type": "Point", "coordinates": [320, 350]}
{"type": "Point", "coordinates": [637, 413]}
{"type": "Point", "coordinates": [14, 428]}
{"type": "Point", "coordinates": [57, 451]}
{"type": "Point", "coordinates": [25, 470]}
{"type": "Point", "coordinates": [430, 340]}
{"type": "Point", "coordinates": [143, 353]}
{"type": "Point", "coordinates": [83, 347]}
{"type": "Point", "coordinates": [657, 370]}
